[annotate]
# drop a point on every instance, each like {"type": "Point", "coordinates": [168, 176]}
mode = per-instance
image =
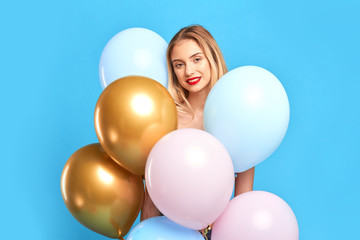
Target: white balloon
{"type": "Point", "coordinates": [134, 51]}
{"type": "Point", "coordinates": [248, 111]}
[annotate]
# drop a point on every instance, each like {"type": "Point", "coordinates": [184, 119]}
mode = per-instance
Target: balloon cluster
{"type": "Point", "coordinates": [189, 173]}
{"type": "Point", "coordinates": [102, 184]}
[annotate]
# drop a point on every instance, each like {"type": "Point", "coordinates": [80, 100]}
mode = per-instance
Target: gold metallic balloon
{"type": "Point", "coordinates": [99, 193]}
{"type": "Point", "coordinates": [131, 115]}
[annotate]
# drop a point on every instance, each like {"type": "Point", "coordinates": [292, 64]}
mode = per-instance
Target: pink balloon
{"type": "Point", "coordinates": [190, 177]}
{"type": "Point", "coordinates": [256, 215]}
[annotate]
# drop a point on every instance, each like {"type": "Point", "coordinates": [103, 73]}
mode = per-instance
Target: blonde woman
{"type": "Point", "coordinates": [195, 63]}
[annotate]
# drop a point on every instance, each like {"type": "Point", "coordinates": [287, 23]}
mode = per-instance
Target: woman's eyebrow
{"type": "Point", "coordinates": [198, 53]}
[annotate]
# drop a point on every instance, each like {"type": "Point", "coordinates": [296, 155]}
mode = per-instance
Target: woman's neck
{"type": "Point", "coordinates": [197, 100]}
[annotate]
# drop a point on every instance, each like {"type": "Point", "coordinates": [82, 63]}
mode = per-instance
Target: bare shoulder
{"type": "Point", "coordinates": [184, 119]}
{"type": "Point", "coordinates": [187, 120]}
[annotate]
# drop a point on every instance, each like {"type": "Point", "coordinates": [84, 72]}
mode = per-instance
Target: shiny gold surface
{"type": "Point", "coordinates": [131, 115]}
{"type": "Point", "coordinates": [99, 193]}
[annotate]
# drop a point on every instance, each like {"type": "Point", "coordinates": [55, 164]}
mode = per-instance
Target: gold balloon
{"type": "Point", "coordinates": [131, 115]}
{"type": "Point", "coordinates": [99, 193]}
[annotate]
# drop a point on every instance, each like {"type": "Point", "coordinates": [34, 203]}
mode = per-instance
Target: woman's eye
{"type": "Point", "coordinates": [197, 59]}
{"type": "Point", "coordinates": [178, 65]}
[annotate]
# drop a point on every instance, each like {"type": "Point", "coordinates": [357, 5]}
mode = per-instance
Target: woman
{"type": "Point", "coordinates": [195, 63]}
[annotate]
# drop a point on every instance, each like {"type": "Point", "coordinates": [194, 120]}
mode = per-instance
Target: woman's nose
{"type": "Point", "coordinates": [189, 70]}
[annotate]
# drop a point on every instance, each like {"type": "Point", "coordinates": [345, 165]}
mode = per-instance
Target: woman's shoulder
{"type": "Point", "coordinates": [184, 119]}
{"type": "Point", "coordinates": [189, 120]}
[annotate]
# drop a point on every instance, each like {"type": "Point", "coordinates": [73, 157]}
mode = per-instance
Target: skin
{"type": "Point", "coordinates": [190, 62]}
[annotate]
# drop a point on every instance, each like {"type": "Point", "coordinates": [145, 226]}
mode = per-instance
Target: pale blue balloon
{"type": "Point", "coordinates": [248, 111]}
{"type": "Point", "coordinates": [161, 228]}
{"type": "Point", "coordinates": [134, 51]}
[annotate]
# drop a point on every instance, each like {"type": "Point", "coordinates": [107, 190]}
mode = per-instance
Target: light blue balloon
{"type": "Point", "coordinates": [157, 228]}
{"type": "Point", "coordinates": [248, 111]}
{"type": "Point", "coordinates": [134, 51]}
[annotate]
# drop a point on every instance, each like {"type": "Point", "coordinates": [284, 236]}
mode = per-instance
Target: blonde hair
{"type": "Point", "coordinates": [211, 51]}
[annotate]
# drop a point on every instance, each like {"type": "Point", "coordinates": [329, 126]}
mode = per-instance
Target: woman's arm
{"type": "Point", "coordinates": [244, 181]}
{"type": "Point", "coordinates": [148, 209]}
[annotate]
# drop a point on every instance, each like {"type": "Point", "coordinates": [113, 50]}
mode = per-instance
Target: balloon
{"type": "Point", "coordinates": [248, 111]}
{"type": "Point", "coordinates": [162, 228]}
{"type": "Point", "coordinates": [99, 193]}
{"type": "Point", "coordinates": [131, 115]}
{"type": "Point", "coordinates": [190, 177]}
{"type": "Point", "coordinates": [134, 51]}
{"type": "Point", "coordinates": [256, 215]}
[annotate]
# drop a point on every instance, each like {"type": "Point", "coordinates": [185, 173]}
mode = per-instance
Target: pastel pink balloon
{"type": "Point", "coordinates": [256, 215]}
{"type": "Point", "coordinates": [190, 177]}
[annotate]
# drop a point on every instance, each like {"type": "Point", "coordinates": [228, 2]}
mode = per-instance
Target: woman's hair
{"type": "Point", "coordinates": [211, 51]}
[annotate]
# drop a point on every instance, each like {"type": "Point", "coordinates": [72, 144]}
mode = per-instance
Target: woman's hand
{"type": "Point", "coordinates": [244, 181]}
{"type": "Point", "coordinates": [148, 209]}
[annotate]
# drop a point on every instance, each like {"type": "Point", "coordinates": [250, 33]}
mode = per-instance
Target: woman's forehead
{"type": "Point", "coordinates": [185, 48]}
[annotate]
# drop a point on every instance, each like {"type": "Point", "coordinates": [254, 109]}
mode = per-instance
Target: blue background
{"type": "Point", "coordinates": [50, 53]}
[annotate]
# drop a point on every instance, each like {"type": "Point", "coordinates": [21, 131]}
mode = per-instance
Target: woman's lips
{"type": "Point", "coordinates": [193, 81]}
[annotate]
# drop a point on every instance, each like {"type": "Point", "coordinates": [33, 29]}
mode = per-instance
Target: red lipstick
{"type": "Point", "coordinates": [193, 81]}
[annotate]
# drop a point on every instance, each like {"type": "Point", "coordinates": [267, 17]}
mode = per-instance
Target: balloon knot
{"type": "Point", "coordinates": [206, 232]}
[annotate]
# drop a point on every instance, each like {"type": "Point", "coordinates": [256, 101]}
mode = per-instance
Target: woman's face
{"type": "Point", "coordinates": [191, 66]}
